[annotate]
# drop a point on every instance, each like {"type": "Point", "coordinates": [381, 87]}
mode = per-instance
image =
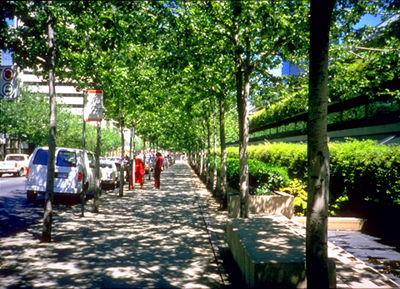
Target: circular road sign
{"type": "Point", "coordinates": [7, 74]}
{"type": "Point", "coordinates": [8, 89]}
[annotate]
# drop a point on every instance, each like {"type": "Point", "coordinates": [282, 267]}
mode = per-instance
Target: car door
{"type": "Point", "coordinates": [66, 172]}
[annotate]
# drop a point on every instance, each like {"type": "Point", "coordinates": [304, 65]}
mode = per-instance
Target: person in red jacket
{"type": "Point", "coordinates": [157, 170]}
{"type": "Point", "coordinates": [139, 171]}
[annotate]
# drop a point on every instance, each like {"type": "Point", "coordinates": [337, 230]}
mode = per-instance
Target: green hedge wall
{"type": "Point", "coordinates": [361, 171]}
{"type": "Point", "coordinates": [260, 173]}
{"type": "Point", "coordinates": [263, 178]}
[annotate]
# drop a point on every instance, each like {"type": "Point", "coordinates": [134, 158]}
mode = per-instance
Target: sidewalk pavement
{"type": "Point", "coordinates": [168, 238]}
{"type": "Point", "coordinates": [145, 239]}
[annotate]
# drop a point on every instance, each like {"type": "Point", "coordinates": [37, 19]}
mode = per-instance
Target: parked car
{"type": "Point", "coordinates": [115, 159]}
{"type": "Point", "coordinates": [16, 164]}
{"type": "Point", "coordinates": [109, 174]}
{"type": "Point", "coordinates": [73, 172]}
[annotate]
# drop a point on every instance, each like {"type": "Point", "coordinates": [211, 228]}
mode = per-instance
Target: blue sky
{"type": "Point", "coordinates": [368, 19]}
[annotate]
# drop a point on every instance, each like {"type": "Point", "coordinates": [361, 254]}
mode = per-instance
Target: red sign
{"type": "Point", "coordinates": [8, 83]}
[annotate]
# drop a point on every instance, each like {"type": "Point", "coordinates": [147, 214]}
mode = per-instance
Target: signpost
{"type": "Point", "coordinates": [8, 83]}
{"type": "Point", "coordinates": [93, 107]}
{"type": "Point", "coordinates": [93, 111]}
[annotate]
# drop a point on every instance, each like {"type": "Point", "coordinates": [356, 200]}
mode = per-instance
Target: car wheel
{"type": "Point", "coordinates": [1, 175]}
{"type": "Point", "coordinates": [31, 195]}
{"type": "Point", "coordinates": [21, 173]}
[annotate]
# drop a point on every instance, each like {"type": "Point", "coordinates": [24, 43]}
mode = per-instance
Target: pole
{"type": "Point", "coordinates": [83, 192]}
{"type": "Point", "coordinates": [131, 172]}
{"type": "Point", "coordinates": [97, 170]}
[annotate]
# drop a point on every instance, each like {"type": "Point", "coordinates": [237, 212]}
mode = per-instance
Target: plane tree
{"type": "Point", "coordinates": [323, 15]}
{"type": "Point", "coordinates": [34, 46]}
{"type": "Point", "coordinates": [255, 34]}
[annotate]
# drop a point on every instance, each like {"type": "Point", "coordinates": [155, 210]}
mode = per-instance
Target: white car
{"type": "Point", "coordinates": [16, 164]}
{"type": "Point", "coordinates": [73, 172]}
{"type": "Point", "coordinates": [109, 174]}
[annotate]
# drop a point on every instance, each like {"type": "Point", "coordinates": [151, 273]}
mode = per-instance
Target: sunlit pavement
{"type": "Point", "coordinates": [147, 238]}
{"type": "Point", "coordinates": [168, 238]}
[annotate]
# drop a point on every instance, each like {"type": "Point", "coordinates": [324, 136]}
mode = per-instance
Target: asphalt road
{"type": "Point", "coordinates": [16, 213]}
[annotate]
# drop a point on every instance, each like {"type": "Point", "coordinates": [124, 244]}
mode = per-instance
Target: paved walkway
{"type": "Point", "coordinates": [148, 238]}
{"type": "Point", "coordinates": [370, 250]}
{"type": "Point", "coordinates": [168, 238]}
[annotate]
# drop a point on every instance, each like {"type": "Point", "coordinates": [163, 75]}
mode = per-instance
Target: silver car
{"type": "Point", "coordinates": [109, 174]}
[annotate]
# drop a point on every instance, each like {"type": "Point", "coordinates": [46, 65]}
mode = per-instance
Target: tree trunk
{"type": "Point", "coordinates": [244, 167]}
{"type": "Point", "coordinates": [317, 148]}
{"type": "Point", "coordinates": [97, 170]}
{"type": "Point", "coordinates": [201, 163]}
{"type": "Point", "coordinates": [48, 203]}
{"type": "Point", "coordinates": [121, 171]}
{"type": "Point", "coordinates": [223, 185]}
{"type": "Point", "coordinates": [215, 172]}
{"type": "Point", "coordinates": [241, 100]}
{"type": "Point", "coordinates": [208, 162]}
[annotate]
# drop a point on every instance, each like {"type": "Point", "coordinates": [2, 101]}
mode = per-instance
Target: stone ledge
{"type": "Point", "coordinates": [280, 204]}
{"type": "Point", "coordinates": [338, 223]}
{"type": "Point", "coordinates": [270, 253]}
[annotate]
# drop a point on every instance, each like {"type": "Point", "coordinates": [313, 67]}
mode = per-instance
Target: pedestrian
{"type": "Point", "coordinates": [157, 170]}
{"type": "Point", "coordinates": [139, 171]}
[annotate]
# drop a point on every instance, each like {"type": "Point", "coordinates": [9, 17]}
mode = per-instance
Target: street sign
{"type": "Point", "coordinates": [93, 107]}
{"type": "Point", "coordinates": [8, 82]}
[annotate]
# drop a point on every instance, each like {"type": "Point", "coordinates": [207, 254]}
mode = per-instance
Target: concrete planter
{"type": "Point", "coordinates": [280, 204]}
{"type": "Point", "coordinates": [270, 254]}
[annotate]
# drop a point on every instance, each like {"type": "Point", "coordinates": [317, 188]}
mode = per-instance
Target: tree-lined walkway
{"type": "Point", "coordinates": [168, 238]}
{"type": "Point", "coordinates": [148, 238]}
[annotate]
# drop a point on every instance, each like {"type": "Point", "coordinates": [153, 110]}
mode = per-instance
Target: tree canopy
{"type": "Point", "coordinates": [157, 61]}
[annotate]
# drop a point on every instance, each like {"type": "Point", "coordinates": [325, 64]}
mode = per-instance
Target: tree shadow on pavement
{"type": "Point", "coordinates": [148, 238]}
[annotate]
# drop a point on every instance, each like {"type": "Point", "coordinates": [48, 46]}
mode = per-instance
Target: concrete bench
{"type": "Point", "coordinates": [270, 253]}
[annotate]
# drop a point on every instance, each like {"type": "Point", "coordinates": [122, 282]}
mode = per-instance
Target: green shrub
{"type": "Point", "coordinates": [365, 171]}
{"type": "Point", "coordinates": [360, 171]}
{"type": "Point", "coordinates": [297, 188]}
{"type": "Point", "coordinates": [261, 175]}
{"type": "Point", "coordinates": [288, 155]}
{"type": "Point", "coordinates": [263, 190]}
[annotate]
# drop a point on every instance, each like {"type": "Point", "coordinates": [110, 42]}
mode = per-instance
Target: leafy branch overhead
{"type": "Point", "coordinates": [158, 60]}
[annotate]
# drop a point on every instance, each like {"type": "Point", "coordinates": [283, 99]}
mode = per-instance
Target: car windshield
{"type": "Point", "coordinates": [15, 158]}
{"type": "Point", "coordinates": [105, 165]}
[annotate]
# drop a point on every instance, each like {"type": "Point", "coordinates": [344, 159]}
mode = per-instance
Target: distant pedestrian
{"type": "Point", "coordinates": [139, 171]}
{"type": "Point", "coordinates": [157, 170]}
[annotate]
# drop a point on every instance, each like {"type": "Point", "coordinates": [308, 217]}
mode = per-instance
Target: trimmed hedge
{"type": "Point", "coordinates": [263, 178]}
{"type": "Point", "coordinates": [361, 171]}
{"type": "Point", "coordinates": [366, 171]}
{"type": "Point", "coordinates": [287, 155]}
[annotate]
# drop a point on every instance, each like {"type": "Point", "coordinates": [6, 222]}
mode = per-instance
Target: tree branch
{"type": "Point", "coordinates": [266, 54]}
{"type": "Point", "coordinates": [376, 49]}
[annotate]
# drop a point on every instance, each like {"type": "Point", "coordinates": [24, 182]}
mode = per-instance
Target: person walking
{"type": "Point", "coordinates": [157, 170]}
{"type": "Point", "coordinates": [139, 171]}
